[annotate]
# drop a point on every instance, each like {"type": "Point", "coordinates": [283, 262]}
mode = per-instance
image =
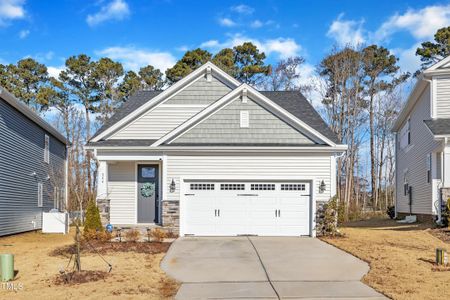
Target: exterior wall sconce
{"type": "Point", "coordinates": [172, 186]}
{"type": "Point", "coordinates": [322, 187]}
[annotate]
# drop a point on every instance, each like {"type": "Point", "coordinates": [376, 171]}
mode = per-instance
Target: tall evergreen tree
{"type": "Point", "coordinates": [432, 52]}
{"type": "Point", "coordinates": [189, 62]}
{"type": "Point", "coordinates": [25, 80]}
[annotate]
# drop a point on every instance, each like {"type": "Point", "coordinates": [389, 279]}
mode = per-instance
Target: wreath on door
{"type": "Point", "coordinates": [148, 189]}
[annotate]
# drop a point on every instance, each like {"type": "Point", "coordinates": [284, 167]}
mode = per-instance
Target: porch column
{"type": "Point", "coordinates": [102, 192]}
{"type": "Point", "coordinates": [102, 180]}
{"type": "Point", "coordinates": [446, 166]}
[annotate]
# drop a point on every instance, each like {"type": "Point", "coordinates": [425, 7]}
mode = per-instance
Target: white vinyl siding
{"type": "Point", "coordinates": [122, 192]}
{"type": "Point", "coordinates": [175, 111]}
{"type": "Point", "coordinates": [442, 97]}
{"type": "Point", "coordinates": [415, 161]}
{"type": "Point", "coordinates": [158, 122]}
{"type": "Point", "coordinates": [308, 166]}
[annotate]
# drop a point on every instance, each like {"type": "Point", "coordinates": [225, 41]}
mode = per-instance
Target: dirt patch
{"type": "Point", "coordinates": [110, 247]}
{"type": "Point", "coordinates": [401, 258]}
{"type": "Point", "coordinates": [135, 274]}
{"type": "Point", "coordinates": [80, 277]}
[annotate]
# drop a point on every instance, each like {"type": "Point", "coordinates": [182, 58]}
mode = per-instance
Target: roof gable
{"type": "Point", "coordinates": [173, 111]}
{"type": "Point", "coordinates": [207, 69]}
{"type": "Point", "coordinates": [224, 127]}
{"type": "Point", "coordinates": [261, 100]}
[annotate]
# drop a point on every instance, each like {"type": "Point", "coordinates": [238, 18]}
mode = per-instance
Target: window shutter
{"type": "Point", "coordinates": [47, 149]}
{"type": "Point", "coordinates": [40, 194]}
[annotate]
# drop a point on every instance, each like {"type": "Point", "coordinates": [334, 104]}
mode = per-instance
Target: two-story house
{"type": "Point", "coordinates": [33, 164]}
{"type": "Point", "coordinates": [422, 147]}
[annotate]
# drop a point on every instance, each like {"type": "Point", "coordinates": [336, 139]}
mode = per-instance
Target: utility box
{"type": "Point", "coordinates": [55, 222]}
{"type": "Point", "coordinates": [441, 257]}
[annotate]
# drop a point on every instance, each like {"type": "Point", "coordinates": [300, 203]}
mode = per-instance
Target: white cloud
{"type": "Point", "coordinates": [54, 71]}
{"type": "Point", "coordinates": [114, 10]}
{"type": "Point", "coordinates": [346, 32]}
{"type": "Point", "coordinates": [256, 24]}
{"type": "Point", "coordinates": [11, 10]}
{"type": "Point", "coordinates": [227, 22]}
{"type": "Point", "coordinates": [133, 58]}
{"type": "Point", "coordinates": [24, 33]}
{"type": "Point", "coordinates": [210, 44]}
{"type": "Point", "coordinates": [422, 23]}
{"type": "Point", "coordinates": [243, 9]}
{"type": "Point", "coordinates": [283, 47]}
{"type": "Point", "coordinates": [182, 48]}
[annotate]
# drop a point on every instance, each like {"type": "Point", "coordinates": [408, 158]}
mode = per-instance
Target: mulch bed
{"type": "Point", "coordinates": [108, 247]}
{"type": "Point", "coordinates": [80, 277]}
{"type": "Point", "coordinates": [441, 233]}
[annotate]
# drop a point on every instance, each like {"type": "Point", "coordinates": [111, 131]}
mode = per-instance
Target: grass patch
{"type": "Point", "coordinates": [401, 258]}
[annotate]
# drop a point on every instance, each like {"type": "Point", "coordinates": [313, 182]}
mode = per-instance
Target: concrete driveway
{"type": "Point", "coordinates": [265, 268]}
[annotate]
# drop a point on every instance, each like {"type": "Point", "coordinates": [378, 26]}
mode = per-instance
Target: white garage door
{"type": "Point", "coordinates": [246, 208]}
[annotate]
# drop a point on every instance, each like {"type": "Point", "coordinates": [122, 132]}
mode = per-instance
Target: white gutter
{"type": "Point", "coordinates": [338, 148]}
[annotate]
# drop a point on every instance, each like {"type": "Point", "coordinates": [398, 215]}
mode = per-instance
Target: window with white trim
{"type": "Point", "coordinates": [429, 161]}
{"type": "Point", "coordinates": [232, 186]}
{"type": "Point", "coordinates": [293, 187]}
{"type": "Point", "coordinates": [46, 149]}
{"type": "Point", "coordinates": [244, 119]}
{"type": "Point", "coordinates": [202, 186]}
{"type": "Point", "coordinates": [40, 194]}
{"type": "Point", "coordinates": [262, 187]}
{"type": "Point", "coordinates": [405, 183]}
{"type": "Point", "coordinates": [405, 135]}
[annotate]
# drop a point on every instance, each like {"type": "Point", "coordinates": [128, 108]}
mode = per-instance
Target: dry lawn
{"type": "Point", "coordinates": [133, 276]}
{"type": "Point", "coordinates": [400, 256]}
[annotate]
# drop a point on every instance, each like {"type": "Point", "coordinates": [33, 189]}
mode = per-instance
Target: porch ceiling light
{"type": "Point", "coordinates": [172, 186]}
{"type": "Point", "coordinates": [322, 187]}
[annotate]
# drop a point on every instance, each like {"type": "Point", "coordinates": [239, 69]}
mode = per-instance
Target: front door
{"type": "Point", "coordinates": [148, 185]}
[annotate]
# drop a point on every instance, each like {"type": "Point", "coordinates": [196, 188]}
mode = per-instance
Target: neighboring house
{"type": "Point", "coordinates": [32, 167]}
{"type": "Point", "coordinates": [422, 149]}
{"type": "Point", "coordinates": [213, 156]}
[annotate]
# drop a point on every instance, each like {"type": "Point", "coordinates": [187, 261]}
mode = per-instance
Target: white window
{"type": "Point", "coordinates": [245, 122]}
{"type": "Point", "coordinates": [429, 168]}
{"type": "Point", "coordinates": [47, 149]}
{"type": "Point", "coordinates": [405, 135]}
{"type": "Point", "coordinates": [40, 194]}
{"type": "Point", "coordinates": [405, 183]}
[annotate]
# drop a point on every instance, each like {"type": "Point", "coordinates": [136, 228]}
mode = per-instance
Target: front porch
{"type": "Point", "coordinates": [130, 193]}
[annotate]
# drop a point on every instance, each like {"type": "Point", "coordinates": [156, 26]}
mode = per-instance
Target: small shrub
{"type": "Point", "coordinates": [391, 211]}
{"type": "Point", "coordinates": [102, 236]}
{"type": "Point", "coordinates": [158, 235]}
{"type": "Point", "coordinates": [92, 218]}
{"type": "Point", "coordinates": [327, 225]}
{"type": "Point", "coordinates": [132, 235]}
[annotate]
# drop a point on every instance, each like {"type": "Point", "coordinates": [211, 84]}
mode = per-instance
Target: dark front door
{"type": "Point", "coordinates": [148, 185]}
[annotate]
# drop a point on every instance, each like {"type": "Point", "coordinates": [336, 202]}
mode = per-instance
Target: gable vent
{"type": "Point", "coordinates": [245, 122]}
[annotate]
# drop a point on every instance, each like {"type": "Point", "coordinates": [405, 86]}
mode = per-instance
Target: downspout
{"type": "Point", "coordinates": [66, 180]}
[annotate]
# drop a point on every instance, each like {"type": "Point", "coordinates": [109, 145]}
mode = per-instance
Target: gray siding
{"type": "Point", "coordinates": [415, 160]}
{"type": "Point", "coordinates": [442, 97]}
{"type": "Point", "coordinates": [175, 111]}
{"type": "Point", "coordinates": [22, 153]}
{"type": "Point", "coordinates": [201, 92]}
{"type": "Point", "coordinates": [122, 192]}
{"type": "Point", "coordinates": [224, 127]}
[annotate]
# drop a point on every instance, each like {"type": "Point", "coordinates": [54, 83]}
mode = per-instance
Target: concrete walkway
{"type": "Point", "coordinates": [265, 268]}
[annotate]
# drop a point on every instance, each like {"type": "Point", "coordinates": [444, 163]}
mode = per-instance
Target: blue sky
{"type": "Point", "coordinates": [158, 32]}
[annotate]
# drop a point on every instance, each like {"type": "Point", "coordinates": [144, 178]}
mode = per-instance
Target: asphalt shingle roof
{"type": "Point", "coordinates": [438, 126]}
{"type": "Point", "coordinates": [292, 101]}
